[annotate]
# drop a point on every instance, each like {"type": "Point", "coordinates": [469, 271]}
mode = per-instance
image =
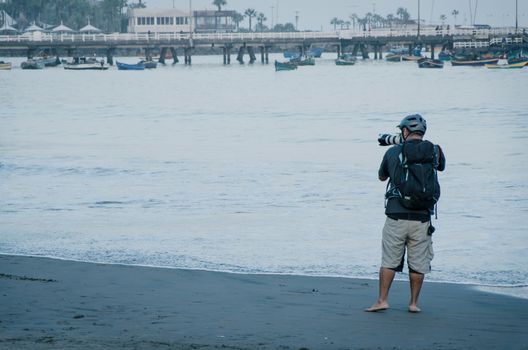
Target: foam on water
{"type": "Point", "coordinates": [243, 169]}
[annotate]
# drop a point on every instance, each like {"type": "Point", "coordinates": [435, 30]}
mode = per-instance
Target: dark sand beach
{"type": "Point", "coordinates": [56, 304]}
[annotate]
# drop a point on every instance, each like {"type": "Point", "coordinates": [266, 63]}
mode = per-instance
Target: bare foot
{"type": "Point", "coordinates": [414, 309]}
{"type": "Point", "coordinates": [378, 307]}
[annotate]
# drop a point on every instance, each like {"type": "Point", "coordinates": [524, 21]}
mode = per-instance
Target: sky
{"type": "Point", "coordinates": [316, 15]}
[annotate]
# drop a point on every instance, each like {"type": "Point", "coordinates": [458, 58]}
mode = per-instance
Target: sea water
{"type": "Point", "coordinates": [243, 169]}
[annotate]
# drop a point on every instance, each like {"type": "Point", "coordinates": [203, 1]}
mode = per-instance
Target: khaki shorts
{"type": "Point", "coordinates": [398, 234]}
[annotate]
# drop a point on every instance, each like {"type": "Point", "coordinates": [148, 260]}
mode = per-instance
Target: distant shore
{"type": "Point", "coordinates": [57, 304]}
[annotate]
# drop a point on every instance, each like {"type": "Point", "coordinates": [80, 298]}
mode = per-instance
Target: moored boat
{"type": "Point", "coordinates": [346, 60]}
{"type": "Point", "coordinates": [410, 58]}
{"type": "Point", "coordinates": [51, 61]}
{"type": "Point", "coordinates": [126, 66]}
{"type": "Point", "coordinates": [392, 57]}
{"type": "Point", "coordinates": [445, 56]}
{"type": "Point", "coordinates": [480, 62]}
{"type": "Point", "coordinates": [307, 61]}
{"type": "Point", "coordinates": [32, 64]}
{"type": "Point", "coordinates": [5, 65]}
{"type": "Point", "coordinates": [316, 52]}
{"type": "Point", "coordinates": [149, 64]}
{"type": "Point", "coordinates": [430, 63]}
{"type": "Point", "coordinates": [279, 66]}
{"type": "Point", "coordinates": [86, 66]}
{"type": "Point", "coordinates": [507, 66]}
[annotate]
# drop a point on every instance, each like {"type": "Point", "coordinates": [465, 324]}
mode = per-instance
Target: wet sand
{"type": "Point", "coordinates": [55, 304]}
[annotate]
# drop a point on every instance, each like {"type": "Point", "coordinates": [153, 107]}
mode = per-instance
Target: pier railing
{"type": "Point", "coordinates": [120, 38]}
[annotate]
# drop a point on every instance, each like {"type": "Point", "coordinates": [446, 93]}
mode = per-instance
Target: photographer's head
{"type": "Point", "coordinates": [413, 125]}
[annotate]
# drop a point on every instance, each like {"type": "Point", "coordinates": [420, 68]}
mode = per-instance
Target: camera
{"type": "Point", "coordinates": [388, 139]}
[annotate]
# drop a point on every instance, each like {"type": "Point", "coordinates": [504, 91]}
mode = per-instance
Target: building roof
{"type": "Point", "coordinates": [62, 29]}
{"type": "Point", "coordinates": [34, 28]}
{"type": "Point", "coordinates": [7, 28]}
{"type": "Point", "coordinates": [90, 29]}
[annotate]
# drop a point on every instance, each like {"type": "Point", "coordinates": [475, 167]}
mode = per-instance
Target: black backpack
{"type": "Point", "coordinates": [418, 187]}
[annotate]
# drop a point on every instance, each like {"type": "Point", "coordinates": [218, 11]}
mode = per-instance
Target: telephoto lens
{"type": "Point", "coordinates": [388, 139]}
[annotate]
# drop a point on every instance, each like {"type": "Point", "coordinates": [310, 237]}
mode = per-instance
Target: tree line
{"type": "Point", "coordinates": [373, 20]}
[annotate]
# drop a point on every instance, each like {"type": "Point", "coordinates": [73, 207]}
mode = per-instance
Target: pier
{"type": "Point", "coordinates": [249, 44]}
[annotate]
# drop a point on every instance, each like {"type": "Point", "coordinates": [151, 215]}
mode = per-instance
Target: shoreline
{"type": "Point", "coordinates": [60, 304]}
{"type": "Point", "coordinates": [515, 291]}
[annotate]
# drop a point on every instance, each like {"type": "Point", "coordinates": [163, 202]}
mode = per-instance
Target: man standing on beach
{"type": "Point", "coordinates": [408, 166]}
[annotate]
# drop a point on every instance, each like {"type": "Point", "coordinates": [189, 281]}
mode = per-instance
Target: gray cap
{"type": "Point", "coordinates": [414, 123]}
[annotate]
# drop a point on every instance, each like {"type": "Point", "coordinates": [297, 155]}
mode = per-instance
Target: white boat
{"type": "Point", "coordinates": [86, 66]}
{"type": "Point", "coordinates": [5, 65]}
{"type": "Point", "coordinates": [84, 63]}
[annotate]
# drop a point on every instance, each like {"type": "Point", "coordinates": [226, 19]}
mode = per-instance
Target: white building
{"type": "Point", "coordinates": [159, 21]}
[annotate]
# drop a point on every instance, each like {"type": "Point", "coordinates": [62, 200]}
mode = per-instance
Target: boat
{"type": "Point", "coordinates": [126, 66]}
{"type": "Point", "coordinates": [430, 63]}
{"type": "Point", "coordinates": [315, 52]}
{"type": "Point", "coordinates": [279, 66]}
{"type": "Point", "coordinates": [506, 66]}
{"type": "Point", "coordinates": [85, 63]}
{"type": "Point", "coordinates": [32, 64]}
{"type": "Point", "coordinates": [398, 51]}
{"type": "Point", "coordinates": [51, 61]}
{"type": "Point", "coordinates": [411, 58]}
{"type": "Point", "coordinates": [480, 62]}
{"type": "Point", "coordinates": [5, 65]}
{"type": "Point", "coordinates": [393, 57]}
{"type": "Point", "coordinates": [520, 59]}
{"type": "Point", "coordinates": [346, 60]}
{"type": "Point", "coordinates": [291, 55]}
{"type": "Point", "coordinates": [149, 64]}
{"type": "Point", "coordinates": [307, 61]}
{"type": "Point", "coordinates": [445, 56]}
{"type": "Point", "coordinates": [86, 66]}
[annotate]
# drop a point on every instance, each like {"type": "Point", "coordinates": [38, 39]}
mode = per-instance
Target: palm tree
{"type": "Point", "coordinates": [237, 18]}
{"type": "Point", "coordinates": [455, 14]}
{"type": "Point", "coordinates": [335, 22]}
{"type": "Point", "coordinates": [354, 18]}
{"type": "Point", "coordinates": [219, 4]}
{"type": "Point", "coordinates": [443, 18]}
{"type": "Point", "coordinates": [261, 18]}
{"type": "Point", "coordinates": [403, 14]}
{"type": "Point", "coordinates": [250, 13]}
{"type": "Point", "coordinates": [390, 19]}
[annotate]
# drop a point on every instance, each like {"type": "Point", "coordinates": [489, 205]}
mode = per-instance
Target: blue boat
{"type": "Point", "coordinates": [315, 52]}
{"type": "Point", "coordinates": [284, 66]}
{"type": "Point", "coordinates": [291, 55]}
{"type": "Point", "coordinates": [445, 56]}
{"type": "Point", "coordinates": [126, 66]}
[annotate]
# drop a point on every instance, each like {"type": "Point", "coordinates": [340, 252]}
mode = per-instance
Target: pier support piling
{"type": "Point", "coordinates": [251, 52]}
{"type": "Point", "coordinates": [240, 56]}
{"type": "Point", "coordinates": [174, 54]}
{"type": "Point", "coordinates": [224, 52]}
{"type": "Point", "coordinates": [262, 59]}
{"type": "Point", "coordinates": [163, 54]}
{"type": "Point", "coordinates": [364, 52]}
{"type": "Point", "coordinates": [187, 54]}
{"type": "Point", "coordinates": [433, 51]}
{"type": "Point", "coordinates": [110, 56]}
{"type": "Point", "coordinates": [266, 49]}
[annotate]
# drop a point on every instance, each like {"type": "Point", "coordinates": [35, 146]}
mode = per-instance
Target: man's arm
{"type": "Point", "coordinates": [383, 172]}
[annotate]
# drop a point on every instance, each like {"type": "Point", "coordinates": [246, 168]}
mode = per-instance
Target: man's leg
{"type": "Point", "coordinates": [386, 276]}
{"type": "Point", "coordinates": [416, 280]}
